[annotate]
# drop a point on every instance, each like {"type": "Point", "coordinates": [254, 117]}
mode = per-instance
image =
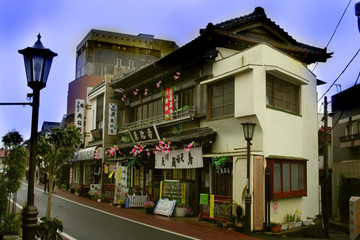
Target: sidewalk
{"type": "Point", "coordinates": [186, 226]}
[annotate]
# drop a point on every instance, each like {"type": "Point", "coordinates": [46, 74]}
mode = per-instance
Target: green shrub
{"type": "Point", "coordinates": [47, 230]}
{"type": "Point", "coordinates": [63, 187]}
{"type": "Point", "coordinates": [11, 224]}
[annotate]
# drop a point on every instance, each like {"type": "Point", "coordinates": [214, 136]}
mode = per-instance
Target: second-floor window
{"type": "Point", "coordinates": [131, 64]}
{"type": "Point", "coordinates": [221, 99]}
{"type": "Point", "coordinates": [118, 62]}
{"type": "Point", "coordinates": [146, 110]}
{"type": "Point", "coordinates": [99, 111]}
{"type": "Point", "coordinates": [282, 95]}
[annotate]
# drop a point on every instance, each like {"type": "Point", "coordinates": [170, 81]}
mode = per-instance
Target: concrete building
{"type": "Point", "coordinates": [99, 54]}
{"type": "Point", "coordinates": [244, 69]}
{"type": "Point", "coordinates": [346, 147]}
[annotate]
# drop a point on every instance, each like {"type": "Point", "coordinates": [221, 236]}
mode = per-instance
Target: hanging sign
{"type": "Point", "coordinates": [112, 127]}
{"type": "Point", "coordinates": [169, 103]}
{"type": "Point", "coordinates": [204, 199]}
{"type": "Point", "coordinates": [180, 159]}
{"type": "Point", "coordinates": [144, 134]}
{"type": "Point", "coordinates": [79, 114]}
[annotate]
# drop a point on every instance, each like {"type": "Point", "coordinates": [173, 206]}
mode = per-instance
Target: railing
{"type": "Point", "coordinates": [349, 137]}
{"type": "Point", "coordinates": [137, 200]}
{"type": "Point", "coordinates": [221, 212]}
{"type": "Point", "coordinates": [185, 113]}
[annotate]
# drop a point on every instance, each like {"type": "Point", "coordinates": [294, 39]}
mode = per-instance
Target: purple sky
{"type": "Point", "coordinates": [63, 23]}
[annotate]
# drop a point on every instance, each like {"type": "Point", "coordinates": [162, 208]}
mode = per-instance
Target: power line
{"type": "Point", "coordinates": [340, 74]}
{"type": "Point", "coordinates": [334, 30]}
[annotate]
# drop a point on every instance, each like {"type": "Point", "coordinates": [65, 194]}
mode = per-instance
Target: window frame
{"type": "Point", "coordinates": [223, 105]}
{"type": "Point", "coordinates": [270, 95]}
{"type": "Point", "coordinates": [292, 193]}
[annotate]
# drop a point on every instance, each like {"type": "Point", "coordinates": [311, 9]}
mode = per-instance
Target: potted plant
{"type": "Point", "coordinates": [149, 206]}
{"type": "Point", "coordinates": [48, 229]}
{"type": "Point", "coordinates": [298, 222]}
{"type": "Point", "coordinates": [72, 189]}
{"type": "Point", "coordinates": [290, 220]}
{"type": "Point", "coordinates": [189, 212]}
{"type": "Point", "coordinates": [231, 221]}
{"type": "Point", "coordinates": [121, 203]}
{"type": "Point", "coordinates": [11, 225]}
{"type": "Point", "coordinates": [100, 197]}
{"type": "Point", "coordinates": [275, 227]}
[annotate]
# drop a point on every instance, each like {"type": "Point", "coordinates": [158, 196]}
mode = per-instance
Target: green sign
{"type": "Point", "coordinates": [204, 199]}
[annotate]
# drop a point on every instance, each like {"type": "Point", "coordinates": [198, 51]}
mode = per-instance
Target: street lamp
{"type": "Point", "coordinates": [37, 61]}
{"type": "Point", "coordinates": [248, 135]}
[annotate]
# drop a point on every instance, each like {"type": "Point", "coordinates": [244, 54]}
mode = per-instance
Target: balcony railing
{"type": "Point", "coordinates": [176, 116]}
{"type": "Point", "coordinates": [350, 140]}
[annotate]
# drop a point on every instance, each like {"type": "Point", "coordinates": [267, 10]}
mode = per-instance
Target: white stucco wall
{"type": "Point", "coordinates": [277, 132]}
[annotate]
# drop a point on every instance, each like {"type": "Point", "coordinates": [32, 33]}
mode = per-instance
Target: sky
{"type": "Point", "coordinates": [64, 23]}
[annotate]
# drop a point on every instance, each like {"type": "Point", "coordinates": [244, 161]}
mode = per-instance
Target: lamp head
{"type": "Point", "coordinates": [37, 61]}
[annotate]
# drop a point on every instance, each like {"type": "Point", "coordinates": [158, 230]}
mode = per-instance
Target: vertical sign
{"type": "Point", "coordinates": [112, 126]}
{"type": "Point", "coordinates": [122, 176]}
{"type": "Point", "coordinates": [169, 103]}
{"type": "Point", "coordinates": [354, 215]}
{"type": "Point", "coordinates": [212, 205]}
{"type": "Point", "coordinates": [79, 115]}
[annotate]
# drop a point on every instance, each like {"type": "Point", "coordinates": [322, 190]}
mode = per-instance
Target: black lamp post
{"type": "Point", "coordinates": [248, 135]}
{"type": "Point", "coordinates": [38, 61]}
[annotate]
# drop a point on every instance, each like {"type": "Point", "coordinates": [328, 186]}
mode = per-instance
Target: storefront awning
{"type": "Point", "coordinates": [87, 154]}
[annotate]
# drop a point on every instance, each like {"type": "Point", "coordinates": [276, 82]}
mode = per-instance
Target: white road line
{"type": "Point", "coordinates": [124, 218]}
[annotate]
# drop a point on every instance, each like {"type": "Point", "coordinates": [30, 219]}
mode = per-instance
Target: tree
{"type": "Point", "coordinates": [14, 162]}
{"type": "Point", "coordinates": [55, 149]}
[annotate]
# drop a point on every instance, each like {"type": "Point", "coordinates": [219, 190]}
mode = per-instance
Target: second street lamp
{"type": "Point", "coordinates": [37, 61]}
{"type": "Point", "coordinates": [248, 135]}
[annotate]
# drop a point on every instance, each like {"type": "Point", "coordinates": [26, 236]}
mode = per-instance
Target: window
{"type": "Point", "coordinates": [282, 95]}
{"type": "Point", "coordinates": [99, 111]}
{"type": "Point", "coordinates": [288, 178]}
{"type": "Point", "coordinates": [118, 62]}
{"type": "Point", "coordinates": [221, 98]}
{"type": "Point", "coordinates": [131, 64]}
{"type": "Point", "coordinates": [147, 110]}
{"type": "Point", "coordinates": [184, 98]}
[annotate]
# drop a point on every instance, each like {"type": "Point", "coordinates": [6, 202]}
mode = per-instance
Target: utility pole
{"type": "Point", "coordinates": [326, 173]}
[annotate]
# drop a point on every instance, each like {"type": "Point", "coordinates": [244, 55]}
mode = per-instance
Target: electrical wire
{"type": "Point", "coordinates": [340, 74]}
{"type": "Point", "coordinates": [334, 30]}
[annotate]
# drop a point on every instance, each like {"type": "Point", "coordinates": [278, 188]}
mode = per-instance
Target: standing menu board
{"type": "Point", "coordinates": [165, 207]}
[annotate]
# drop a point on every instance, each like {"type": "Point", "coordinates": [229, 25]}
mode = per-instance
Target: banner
{"type": "Point", "coordinates": [112, 126]}
{"type": "Point", "coordinates": [180, 159]}
{"type": "Point", "coordinates": [169, 103]}
{"type": "Point", "coordinates": [79, 115]}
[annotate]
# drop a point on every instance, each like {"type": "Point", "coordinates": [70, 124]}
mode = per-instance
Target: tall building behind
{"type": "Point", "coordinates": [103, 53]}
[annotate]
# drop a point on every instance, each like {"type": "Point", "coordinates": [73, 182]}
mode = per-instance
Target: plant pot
{"type": "Point", "coordinates": [276, 228]}
{"type": "Point", "coordinates": [291, 225]}
{"type": "Point", "coordinates": [219, 224]}
{"type": "Point", "coordinates": [284, 227]}
{"type": "Point", "coordinates": [298, 224]}
{"type": "Point", "coordinates": [99, 200]}
{"type": "Point", "coordinates": [149, 210]}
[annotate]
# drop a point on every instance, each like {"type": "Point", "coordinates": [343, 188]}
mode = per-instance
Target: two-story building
{"type": "Point", "coordinates": [346, 149]}
{"type": "Point", "coordinates": [180, 119]}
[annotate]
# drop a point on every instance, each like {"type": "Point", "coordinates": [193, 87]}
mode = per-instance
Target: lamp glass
{"type": "Point", "coordinates": [248, 130]}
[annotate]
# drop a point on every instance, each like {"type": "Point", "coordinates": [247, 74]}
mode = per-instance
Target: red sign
{"type": "Point", "coordinates": [169, 103]}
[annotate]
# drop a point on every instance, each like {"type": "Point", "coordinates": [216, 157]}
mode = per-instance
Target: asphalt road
{"type": "Point", "coordinates": [82, 222]}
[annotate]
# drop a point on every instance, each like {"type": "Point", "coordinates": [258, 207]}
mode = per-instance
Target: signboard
{"type": "Point", "coordinates": [179, 159]}
{"type": "Point", "coordinates": [79, 114]}
{"type": "Point", "coordinates": [112, 127]}
{"type": "Point", "coordinates": [165, 207]}
{"type": "Point", "coordinates": [204, 199]}
{"type": "Point", "coordinates": [144, 134]}
{"type": "Point", "coordinates": [122, 176]}
{"type": "Point", "coordinates": [169, 103]}
{"type": "Point", "coordinates": [354, 214]}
